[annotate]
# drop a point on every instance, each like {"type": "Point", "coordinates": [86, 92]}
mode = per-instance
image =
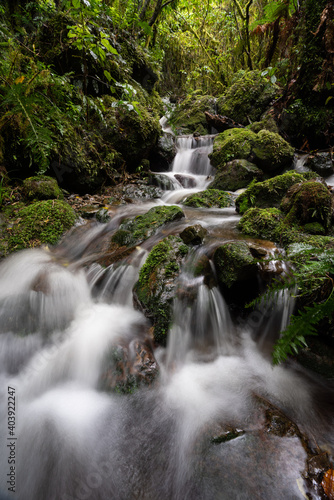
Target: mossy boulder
{"type": "Point", "coordinates": [164, 152]}
{"type": "Point", "coordinates": [42, 222]}
{"type": "Point", "coordinates": [134, 231]}
{"type": "Point", "coordinates": [308, 202]}
{"type": "Point", "coordinates": [189, 115]}
{"type": "Point", "coordinates": [133, 134]}
{"type": "Point", "coordinates": [234, 263]}
{"type": "Point", "coordinates": [263, 223]}
{"type": "Point", "coordinates": [267, 150]}
{"type": "Point", "coordinates": [248, 98]}
{"type": "Point", "coordinates": [193, 235]}
{"type": "Point", "coordinates": [236, 174]}
{"type": "Point", "coordinates": [266, 123]}
{"type": "Point", "coordinates": [269, 193]}
{"type": "Point", "coordinates": [210, 198]}
{"type": "Point", "coordinates": [41, 187]}
{"type": "Point", "coordinates": [155, 289]}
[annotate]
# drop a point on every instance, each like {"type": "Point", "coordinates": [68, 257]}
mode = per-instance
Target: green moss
{"type": "Point", "coordinates": [41, 187]}
{"type": "Point", "coordinates": [189, 116]}
{"type": "Point", "coordinates": [234, 262]}
{"type": "Point", "coordinates": [267, 150]}
{"type": "Point", "coordinates": [236, 174]}
{"type": "Point", "coordinates": [272, 152]}
{"type": "Point", "coordinates": [314, 228]}
{"type": "Point", "coordinates": [211, 198]}
{"type": "Point", "coordinates": [247, 99]}
{"type": "Point", "coordinates": [262, 223]}
{"type": "Point", "coordinates": [41, 222]}
{"type": "Point", "coordinates": [307, 203]}
{"type": "Point", "coordinates": [232, 144]}
{"type": "Point", "coordinates": [155, 289]}
{"type": "Point", "coordinates": [133, 231]}
{"type": "Point", "coordinates": [267, 123]}
{"type": "Point", "coordinates": [269, 193]}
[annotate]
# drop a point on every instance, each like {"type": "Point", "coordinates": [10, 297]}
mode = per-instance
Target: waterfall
{"type": "Point", "coordinates": [197, 431]}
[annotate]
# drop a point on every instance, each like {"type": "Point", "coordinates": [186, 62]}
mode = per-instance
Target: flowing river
{"type": "Point", "coordinates": [198, 432]}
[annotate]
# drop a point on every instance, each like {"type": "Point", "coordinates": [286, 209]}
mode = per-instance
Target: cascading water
{"type": "Point", "coordinates": [67, 438]}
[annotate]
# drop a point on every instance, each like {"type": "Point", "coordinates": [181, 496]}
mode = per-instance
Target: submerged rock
{"type": "Point", "coordinates": [134, 231]}
{"type": "Point", "coordinates": [128, 367]}
{"type": "Point", "coordinates": [155, 290]}
{"type": "Point", "coordinates": [236, 174]}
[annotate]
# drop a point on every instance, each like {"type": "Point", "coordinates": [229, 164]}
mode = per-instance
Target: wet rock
{"type": "Point", "coordinates": [139, 190]}
{"type": "Point", "coordinates": [193, 235]}
{"type": "Point", "coordinates": [164, 153]}
{"type": "Point", "coordinates": [127, 367]}
{"type": "Point", "coordinates": [186, 181]}
{"type": "Point", "coordinates": [321, 163]}
{"type": "Point", "coordinates": [234, 263]}
{"type": "Point", "coordinates": [134, 231]}
{"type": "Point", "coordinates": [226, 436]}
{"type": "Point", "coordinates": [236, 174]}
{"type": "Point", "coordinates": [161, 181]}
{"type": "Point", "coordinates": [210, 198]}
{"type": "Point", "coordinates": [155, 289]}
{"type": "Point", "coordinates": [103, 216]}
{"type": "Point", "coordinates": [41, 187]}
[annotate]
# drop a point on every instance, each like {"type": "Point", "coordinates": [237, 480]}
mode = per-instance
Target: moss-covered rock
{"type": "Point", "coordinates": [39, 223]}
{"type": "Point", "coordinates": [210, 198]}
{"type": "Point", "coordinates": [134, 231]}
{"type": "Point", "coordinates": [236, 174]}
{"type": "Point", "coordinates": [269, 151]}
{"type": "Point", "coordinates": [263, 223]}
{"type": "Point", "coordinates": [133, 134]}
{"type": "Point", "coordinates": [234, 263]}
{"type": "Point", "coordinates": [267, 123]}
{"type": "Point", "coordinates": [248, 98]}
{"type": "Point", "coordinates": [269, 193]}
{"type": "Point", "coordinates": [189, 116]}
{"type": "Point", "coordinates": [41, 187]}
{"type": "Point", "coordinates": [155, 290]}
{"type": "Point", "coordinates": [193, 235]}
{"type": "Point", "coordinates": [308, 202]}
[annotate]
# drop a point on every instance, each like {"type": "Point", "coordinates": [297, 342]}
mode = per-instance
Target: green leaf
{"type": "Point", "coordinates": [76, 4]}
{"type": "Point", "coordinates": [109, 47]}
{"type": "Point", "coordinates": [107, 75]}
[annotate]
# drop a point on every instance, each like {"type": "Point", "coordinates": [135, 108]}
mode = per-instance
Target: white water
{"type": "Point", "coordinates": [75, 441]}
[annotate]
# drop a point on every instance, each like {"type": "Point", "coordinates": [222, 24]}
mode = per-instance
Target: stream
{"type": "Point", "coordinates": [199, 431]}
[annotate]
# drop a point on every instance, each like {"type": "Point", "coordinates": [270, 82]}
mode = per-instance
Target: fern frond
{"type": "Point", "coordinates": [301, 326]}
